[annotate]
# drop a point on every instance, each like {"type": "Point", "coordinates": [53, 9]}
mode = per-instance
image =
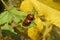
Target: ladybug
{"type": "Point", "coordinates": [30, 16]}
{"type": "Point", "coordinates": [26, 22]}
{"type": "Point", "coordinates": [28, 19]}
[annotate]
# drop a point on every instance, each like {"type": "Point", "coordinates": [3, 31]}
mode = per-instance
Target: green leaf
{"type": "Point", "coordinates": [19, 29]}
{"type": "Point", "coordinates": [2, 14]}
{"type": "Point", "coordinates": [32, 11]}
{"type": "Point", "coordinates": [16, 19]}
{"type": "Point", "coordinates": [31, 25]}
{"type": "Point", "coordinates": [14, 11]}
{"type": "Point", "coordinates": [13, 35]}
{"type": "Point", "coordinates": [9, 17]}
{"type": "Point", "coordinates": [7, 27]}
{"type": "Point", "coordinates": [5, 17]}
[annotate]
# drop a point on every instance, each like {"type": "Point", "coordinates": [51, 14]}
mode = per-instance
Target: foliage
{"type": "Point", "coordinates": [45, 26]}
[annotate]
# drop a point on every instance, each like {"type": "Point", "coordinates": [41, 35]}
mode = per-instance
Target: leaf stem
{"type": "Point", "coordinates": [4, 4]}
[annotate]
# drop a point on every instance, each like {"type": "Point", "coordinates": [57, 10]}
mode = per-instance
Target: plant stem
{"type": "Point", "coordinates": [4, 4]}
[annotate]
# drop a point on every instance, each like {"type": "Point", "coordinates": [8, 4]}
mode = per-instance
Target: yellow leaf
{"type": "Point", "coordinates": [39, 7]}
{"type": "Point", "coordinates": [52, 3]}
{"type": "Point", "coordinates": [39, 23]}
{"type": "Point", "coordinates": [26, 6]}
{"type": "Point", "coordinates": [33, 33]}
{"type": "Point", "coordinates": [51, 14]}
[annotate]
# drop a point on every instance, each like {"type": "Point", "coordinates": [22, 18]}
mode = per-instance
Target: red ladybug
{"type": "Point", "coordinates": [30, 16]}
{"type": "Point", "coordinates": [26, 22]}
